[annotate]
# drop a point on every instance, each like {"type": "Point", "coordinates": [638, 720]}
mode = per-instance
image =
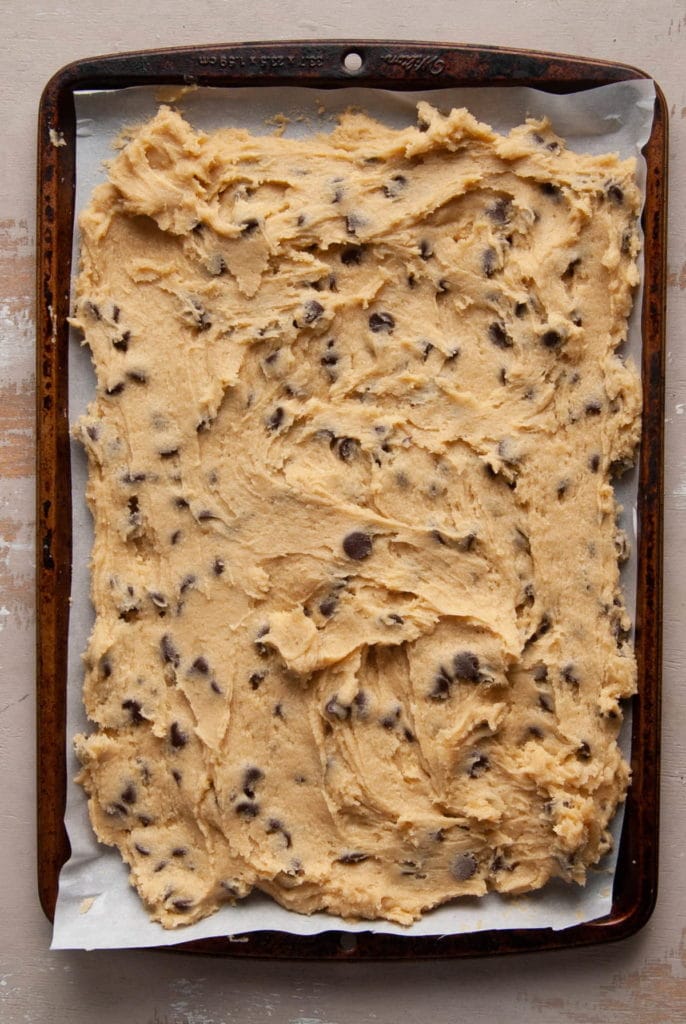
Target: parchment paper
{"type": "Point", "coordinates": [96, 907]}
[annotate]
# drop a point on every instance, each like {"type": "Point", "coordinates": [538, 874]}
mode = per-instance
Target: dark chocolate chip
{"type": "Point", "coordinates": [105, 667]}
{"type": "Point", "coordinates": [552, 339]}
{"type": "Point", "coordinates": [247, 809]}
{"type": "Point", "coordinates": [334, 709]}
{"type": "Point", "coordinates": [218, 566]}
{"type": "Point", "coordinates": [177, 736]}
{"type": "Point", "coordinates": [352, 857]}
{"type": "Point", "coordinates": [158, 867]}
{"type": "Point", "coordinates": [129, 794]}
{"type": "Point", "coordinates": [499, 211]}
{"type": "Point", "coordinates": [144, 852]}
{"type": "Point", "coordinates": [137, 376]}
{"type": "Point", "coordinates": [381, 323]}
{"type": "Point", "coordinates": [187, 582]}
{"type": "Point", "coordinates": [571, 269]}
{"type": "Point", "coordinates": [351, 254]}
{"type": "Point", "coordinates": [168, 453]}
{"type": "Point", "coordinates": [499, 336]}
{"type": "Point", "coordinates": [313, 311]}
{"type": "Point", "coordinates": [328, 607]}
{"type": "Point", "coordinates": [549, 188]}
{"type": "Point", "coordinates": [182, 905]}
{"type": "Point", "coordinates": [179, 851]}
{"type": "Point", "coordinates": [177, 776]}
{"type": "Point", "coordinates": [489, 261]}
{"type": "Point", "coordinates": [535, 731]}
{"type": "Point", "coordinates": [546, 702]}
{"type": "Point", "coordinates": [479, 765]}
{"type": "Point", "coordinates": [175, 537]}
{"type": "Point", "coordinates": [248, 227]}
{"type": "Point", "coordinates": [278, 711]}
{"type": "Point", "coordinates": [330, 359]}
{"type": "Point", "coordinates": [134, 709]}
{"type": "Point", "coordinates": [169, 652]}
{"type": "Point", "coordinates": [357, 545]}
{"type": "Point", "coordinates": [441, 687]}
{"type": "Point", "coordinates": [562, 489]}
{"type": "Point", "coordinates": [466, 666]}
{"type": "Point", "coordinates": [464, 867]}
{"type": "Point", "coordinates": [616, 194]}
{"type": "Point", "coordinates": [521, 308]}
{"type": "Point", "coordinates": [116, 389]}
{"type": "Point", "coordinates": [395, 186]}
{"type": "Point", "coordinates": [122, 344]}
{"type": "Point", "coordinates": [276, 419]}
{"type": "Point", "coordinates": [569, 675]}
{"type": "Point", "coordinates": [593, 408]}
{"type": "Point", "coordinates": [347, 448]}
{"type": "Point", "coordinates": [251, 775]}
{"type": "Point", "coordinates": [425, 250]}
{"type": "Point", "coordinates": [584, 751]}
{"type": "Point", "coordinates": [200, 665]}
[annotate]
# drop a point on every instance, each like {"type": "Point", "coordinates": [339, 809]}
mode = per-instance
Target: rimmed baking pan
{"type": "Point", "coordinates": [331, 65]}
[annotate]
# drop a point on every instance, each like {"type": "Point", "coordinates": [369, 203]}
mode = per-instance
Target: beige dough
{"type": "Point", "coordinates": [360, 641]}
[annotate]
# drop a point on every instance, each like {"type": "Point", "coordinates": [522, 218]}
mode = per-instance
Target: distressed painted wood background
{"type": "Point", "coordinates": [642, 979]}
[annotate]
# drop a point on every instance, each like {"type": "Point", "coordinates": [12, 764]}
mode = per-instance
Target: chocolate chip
{"type": "Point", "coordinates": [137, 376]}
{"type": "Point", "coordinates": [93, 309]}
{"type": "Point", "coordinates": [275, 826]}
{"type": "Point", "coordinates": [552, 339]}
{"type": "Point", "coordinates": [499, 336]}
{"type": "Point", "coordinates": [144, 852]}
{"type": "Point", "coordinates": [382, 323]}
{"type": "Point", "coordinates": [175, 537]}
{"type": "Point", "coordinates": [466, 666]}
{"type": "Point", "coordinates": [571, 269]}
{"type": "Point", "coordinates": [105, 666]}
{"type": "Point", "coordinates": [218, 566]}
{"type": "Point", "coordinates": [546, 702]}
{"type": "Point", "coordinates": [352, 857]}
{"type": "Point", "coordinates": [247, 809]}
{"type": "Point", "coordinates": [352, 254]}
{"type": "Point", "coordinates": [334, 709]}
{"type": "Point", "coordinates": [357, 545]}
{"type": "Point", "coordinates": [134, 709]}
{"type": "Point", "coordinates": [276, 419]}
{"type": "Point", "coordinates": [182, 905]}
{"type": "Point", "coordinates": [313, 311]}
{"type": "Point", "coordinates": [328, 607]}
{"type": "Point", "coordinates": [248, 227]}
{"type": "Point", "coordinates": [278, 711]}
{"type": "Point", "coordinates": [562, 489]}
{"type": "Point", "coordinates": [348, 449]}
{"type": "Point", "coordinates": [181, 503]}
{"type": "Point", "coordinates": [535, 732]}
{"type": "Point", "coordinates": [425, 250]}
{"type": "Point", "coordinates": [176, 776]}
{"type": "Point", "coordinates": [464, 867]}
{"type": "Point", "coordinates": [116, 389]}
{"type": "Point", "coordinates": [616, 194]}
{"type": "Point", "coordinates": [549, 188]}
{"type": "Point", "coordinates": [122, 344]}
{"type": "Point", "coordinates": [441, 687]}
{"type": "Point", "coordinates": [593, 408]}
{"type": "Point", "coordinates": [594, 463]}
{"type": "Point", "coordinates": [168, 453]}
{"type": "Point", "coordinates": [187, 582]}
{"type": "Point", "coordinates": [169, 652]}
{"type": "Point", "coordinates": [129, 794]}
{"type": "Point", "coordinates": [395, 186]}
{"type": "Point", "coordinates": [540, 672]}
{"type": "Point", "coordinates": [489, 261]}
{"type": "Point", "coordinates": [499, 211]}
{"type": "Point", "coordinates": [179, 851]}
{"type": "Point", "coordinates": [177, 737]}
{"type": "Point", "coordinates": [330, 359]}
{"type": "Point", "coordinates": [255, 679]}
{"type": "Point", "coordinates": [569, 675]}
{"type": "Point", "coordinates": [200, 665]}
{"type": "Point", "coordinates": [158, 867]}
{"type": "Point", "coordinates": [584, 751]}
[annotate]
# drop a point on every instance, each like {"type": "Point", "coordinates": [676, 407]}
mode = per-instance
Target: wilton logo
{"type": "Point", "coordinates": [415, 62]}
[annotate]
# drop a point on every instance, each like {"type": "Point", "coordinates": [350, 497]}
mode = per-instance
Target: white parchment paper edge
{"type": "Point", "coordinates": [96, 907]}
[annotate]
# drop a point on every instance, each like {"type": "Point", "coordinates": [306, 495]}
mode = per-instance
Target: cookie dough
{"type": "Point", "coordinates": [360, 641]}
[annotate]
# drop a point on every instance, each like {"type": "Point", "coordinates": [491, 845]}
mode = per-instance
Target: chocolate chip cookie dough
{"type": "Point", "coordinates": [360, 641]}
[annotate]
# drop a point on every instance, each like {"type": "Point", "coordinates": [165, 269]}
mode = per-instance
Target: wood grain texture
{"type": "Point", "coordinates": [642, 979]}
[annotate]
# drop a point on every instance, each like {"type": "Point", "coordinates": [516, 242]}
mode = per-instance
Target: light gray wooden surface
{"type": "Point", "coordinates": [642, 979]}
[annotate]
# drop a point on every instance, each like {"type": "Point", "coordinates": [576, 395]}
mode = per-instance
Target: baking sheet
{"type": "Point", "coordinates": [96, 907]}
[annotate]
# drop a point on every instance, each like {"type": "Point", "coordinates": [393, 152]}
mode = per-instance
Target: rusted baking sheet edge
{"type": "Point", "coordinates": [322, 65]}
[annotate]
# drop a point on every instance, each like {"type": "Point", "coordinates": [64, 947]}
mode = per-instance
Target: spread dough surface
{"type": "Point", "coordinates": [360, 640]}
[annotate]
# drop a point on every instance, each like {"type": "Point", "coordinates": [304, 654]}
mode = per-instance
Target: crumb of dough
{"type": "Point", "coordinates": [57, 139]}
{"type": "Point", "coordinates": [360, 638]}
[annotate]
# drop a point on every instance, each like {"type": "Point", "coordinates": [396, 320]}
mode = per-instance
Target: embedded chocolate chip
{"type": "Point", "coordinates": [275, 826]}
{"type": "Point", "coordinates": [552, 339]}
{"type": "Point", "coordinates": [569, 675]}
{"type": "Point", "coordinates": [520, 308]}
{"type": "Point", "coordinates": [169, 652]}
{"type": "Point", "coordinates": [347, 448]}
{"type": "Point", "coordinates": [562, 488]}
{"type": "Point", "coordinates": [535, 732]}
{"type": "Point", "coordinates": [247, 809]}
{"type": "Point", "coordinates": [278, 711]}
{"type": "Point", "coordinates": [248, 227]}
{"type": "Point", "coordinates": [330, 359]}
{"type": "Point", "coordinates": [177, 776]}
{"type": "Point", "coordinates": [499, 211]}
{"type": "Point", "coordinates": [122, 344]}
{"type": "Point", "coordinates": [187, 582]}
{"type": "Point", "coordinates": [328, 607]}
{"type": "Point", "coordinates": [313, 311]}
{"type": "Point", "coordinates": [335, 709]}
{"type": "Point", "coordinates": [182, 905]}
{"type": "Point", "coordinates": [134, 709]}
{"type": "Point", "coordinates": [179, 851]}
{"type": "Point", "coordinates": [584, 751]}
{"type": "Point", "coordinates": [105, 666]}
{"type": "Point", "coordinates": [466, 666]}
{"type": "Point", "coordinates": [361, 703]}
{"type": "Point", "coordinates": [116, 389]}
{"type": "Point", "coordinates": [175, 537]}
{"type": "Point", "coordinates": [489, 261]}
{"type": "Point", "coordinates": [540, 672]}
{"type": "Point", "coordinates": [441, 687]}
{"type": "Point", "coordinates": [425, 250]}
{"type": "Point", "coordinates": [251, 775]}
{"type": "Point", "coordinates": [276, 419]}
{"type": "Point", "coordinates": [352, 857]}
{"type": "Point", "coordinates": [593, 408]}
{"type": "Point", "coordinates": [357, 545]}
{"type": "Point", "coordinates": [177, 736]}
{"type": "Point", "coordinates": [464, 867]}
{"type": "Point", "coordinates": [168, 453]}
{"type": "Point", "coordinates": [499, 336]}
{"type": "Point", "coordinates": [137, 376]}
{"type": "Point", "coordinates": [181, 503]}
{"type": "Point", "coordinates": [93, 309]}
{"type": "Point", "coordinates": [255, 679]}
{"type": "Point", "coordinates": [549, 188]}
{"type": "Point", "coordinates": [594, 463]}
{"type": "Point", "coordinates": [129, 794]}
{"type": "Point", "coordinates": [395, 186]}
{"type": "Point", "coordinates": [546, 702]}
{"type": "Point", "coordinates": [144, 852]}
{"type": "Point", "coordinates": [200, 665]}
{"type": "Point", "coordinates": [616, 194]}
{"type": "Point", "coordinates": [158, 867]}
{"type": "Point", "coordinates": [352, 254]}
{"type": "Point", "coordinates": [382, 323]}
{"type": "Point", "coordinates": [218, 566]}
